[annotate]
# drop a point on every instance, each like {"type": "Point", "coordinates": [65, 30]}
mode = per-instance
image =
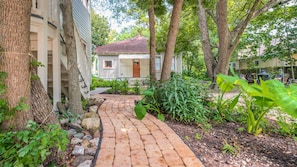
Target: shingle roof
{"type": "Point", "coordinates": [134, 45]}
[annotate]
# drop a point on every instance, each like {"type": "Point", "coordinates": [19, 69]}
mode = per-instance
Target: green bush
{"type": "Point", "coordinates": [30, 147]}
{"type": "Point", "coordinates": [260, 98]}
{"type": "Point", "coordinates": [184, 100]}
{"type": "Point", "coordinates": [98, 82]}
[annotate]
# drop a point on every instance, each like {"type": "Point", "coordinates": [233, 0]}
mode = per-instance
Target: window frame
{"type": "Point", "coordinates": [105, 65]}
{"type": "Point", "coordinates": [159, 68]}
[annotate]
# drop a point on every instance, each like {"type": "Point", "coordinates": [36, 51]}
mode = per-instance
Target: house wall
{"type": "Point", "coordinates": [126, 68]}
{"type": "Point", "coordinates": [123, 66]}
{"type": "Point", "coordinates": [144, 68]}
{"type": "Point", "coordinates": [46, 36]}
{"type": "Point", "coordinates": [82, 20]}
{"type": "Point", "coordinates": [109, 73]}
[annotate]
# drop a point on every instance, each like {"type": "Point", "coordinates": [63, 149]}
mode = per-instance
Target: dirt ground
{"type": "Point", "coordinates": [265, 150]}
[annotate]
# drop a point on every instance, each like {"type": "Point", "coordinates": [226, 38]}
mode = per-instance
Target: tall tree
{"type": "Point", "coordinates": [229, 29]}
{"type": "Point", "coordinates": [171, 39]}
{"type": "Point", "coordinates": [75, 104]}
{"type": "Point", "coordinates": [151, 15]}
{"type": "Point", "coordinates": [100, 29]}
{"type": "Point", "coordinates": [15, 58]}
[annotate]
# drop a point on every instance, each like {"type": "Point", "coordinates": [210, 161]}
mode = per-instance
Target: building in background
{"type": "Point", "coordinates": [129, 59]}
{"type": "Point", "coordinates": [48, 46]}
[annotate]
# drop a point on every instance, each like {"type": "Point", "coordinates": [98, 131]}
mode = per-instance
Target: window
{"type": "Point", "coordinates": [173, 64]}
{"type": "Point", "coordinates": [257, 63]}
{"type": "Point", "coordinates": [232, 64]}
{"type": "Point", "coordinates": [158, 63]}
{"type": "Point", "coordinates": [107, 64]}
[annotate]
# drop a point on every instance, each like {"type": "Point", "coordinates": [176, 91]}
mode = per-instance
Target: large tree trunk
{"type": "Point", "coordinates": [75, 105]}
{"type": "Point", "coordinates": [41, 106]}
{"type": "Point", "coordinates": [15, 58]}
{"type": "Point", "coordinates": [228, 41]}
{"type": "Point", "coordinates": [210, 62]}
{"type": "Point", "coordinates": [171, 39]}
{"type": "Point", "coordinates": [151, 14]}
{"type": "Point", "coordinates": [224, 37]}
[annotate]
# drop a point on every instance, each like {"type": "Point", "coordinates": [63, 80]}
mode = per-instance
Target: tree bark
{"type": "Point", "coordinates": [228, 41]}
{"type": "Point", "coordinates": [205, 42]}
{"type": "Point", "coordinates": [41, 106]}
{"type": "Point", "coordinates": [15, 58]}
{"type": "Point", "coordinates": [151, 14]}
{"type": "Point", "coordinates": [224, 37]}
{"type": "Point", "coordinates": [75, 105]}
{"type": "Point", "coordinates": [171, 39]}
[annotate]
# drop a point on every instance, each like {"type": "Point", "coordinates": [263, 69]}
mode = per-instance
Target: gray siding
{"type": "Point", "coordinates": [111, 73]}
{"type": "Point", "coordinates": [82, 21]}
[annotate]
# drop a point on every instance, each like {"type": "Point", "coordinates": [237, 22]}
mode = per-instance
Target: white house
{"type": "Point", "coordinates": [48, 46]}
{"type": "Point", "coordinates": [129, 59]}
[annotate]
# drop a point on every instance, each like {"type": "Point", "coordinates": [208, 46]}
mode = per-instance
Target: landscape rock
{"type": "Point", "coordinates": [85, 143]}
{"type": "Point", "coordinates": [87, 137]}
{"type": "Point", "coordinates": [93, 109]}
{"type": "Point", "coordinates": [64, 121]}
{"type": "Point", "coordinates": [78, 150]}
{"type": "Point", "coordinates": [90, 115]}
{"type": "Point", "coordinates": [80, 159]}
{"type": "Point", "coordinates": [91, 151]}
{"type": "Point", "coordinates": [92, 124]}
{"type": "Point", "coordinates": [79, 135]}
{"type": "Point", "coordinates": [76, 141]}
{"type": "Point", "coordinates": [87, 163]}
{"type": "Point", "coordinates": [78, 121]}
{"type": "Point", "coordinates": [96, 134]}
{"type": "Point", "coordinates": [75, 126]}
{"type": "Point", "coordinates": [94, 141]}
{"type": "Point", "coordinates": [71, 132]}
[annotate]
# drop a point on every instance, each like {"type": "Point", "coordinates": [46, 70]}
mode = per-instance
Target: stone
{"type": "Point", "coordinates": [78, 121]}
{"type": "Point", "coordinates": [94, 142]}
{"type": "Point", "coordinates": [79, 135]}
{"type": "Point", "coordinates": [96, 134]}
{"type": "Point", "coordinates": [91, 151]}
{"type": "Point", "coordinates": [75, 141]}
{"type": "Point", "coordinates": [78, 150]}
{"type": "Point", "coordinates": [93, 109]}
{"type": "Point", "coordinates": [64, 121]}
{"type": "Point", "coordinates": [80, 159]}
{"type": "Point", "coordinates": [71, 132]}
{"type": "Point", "coordinates": [87, 137]}
{"type": "Point", "coordinates": [75, 126]}
{"type": "Point", "coordinates": [86, 144]}
{"type": "Point", "coordinates": [92, 124]}
{"type": "Point", "coordinates": [86, 163]}
{"type": "Point", "coordinates": [90, 115]}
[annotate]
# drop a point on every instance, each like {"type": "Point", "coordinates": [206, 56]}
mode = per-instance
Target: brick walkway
{"type": "Point", "coordinates": [128, 141]}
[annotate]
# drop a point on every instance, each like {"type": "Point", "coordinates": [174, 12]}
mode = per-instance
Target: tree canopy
{"type": "Point", "coordinates": [100, 29]}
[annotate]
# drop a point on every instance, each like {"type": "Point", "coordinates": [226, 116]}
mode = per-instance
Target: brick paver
{"type": "Point", "coordinates": [127, 141]}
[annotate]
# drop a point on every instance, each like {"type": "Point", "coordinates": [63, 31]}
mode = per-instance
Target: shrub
{"type": "Point", "coordinates": [30, 147]}
{"type": "Point", "coordinates": [184, 100]}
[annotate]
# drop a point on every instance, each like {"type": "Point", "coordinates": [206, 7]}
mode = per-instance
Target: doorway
{"type": "Point", "coordinates": [136, 68]}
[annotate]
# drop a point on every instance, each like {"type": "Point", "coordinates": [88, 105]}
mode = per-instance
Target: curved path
{"type": "Point", "coordinates": [127, 141]}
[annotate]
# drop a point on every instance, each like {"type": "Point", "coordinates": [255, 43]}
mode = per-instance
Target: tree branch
{"type": "Point", "coordinates": [212, 15]}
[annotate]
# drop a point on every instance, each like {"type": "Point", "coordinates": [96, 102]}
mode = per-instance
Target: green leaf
{"type": "Point", "coordinates": [148, 92]}
{"type": "Point", "coordinates": [225, 83]}
{"type": "Point", "coordinates": [234, 102]}
{"type": "Point", "coordinates": [286, 98]}
{"type": "Point", "coordinates": [23, 151]}
{"type": "Point", "coordinates": [140, 111]}
{"type": "Point", "coordinates": [161, 117]}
